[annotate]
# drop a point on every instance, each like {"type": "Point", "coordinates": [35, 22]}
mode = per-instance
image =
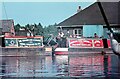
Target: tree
{"type": "Point", "coordinates": [28, 28]}
{"type": "Point", "coordinates": [39, 30]}
{"type": "Point", "coordinates": [51, 29]}
{"type": "Point", "coordinates": [17, 27]}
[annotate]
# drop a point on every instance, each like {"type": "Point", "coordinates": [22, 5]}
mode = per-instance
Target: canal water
{"type": "Point", "coordinates": [62, 66]}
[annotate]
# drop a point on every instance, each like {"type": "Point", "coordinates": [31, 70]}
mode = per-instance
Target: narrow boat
{"type": "Point", "coordinates": [58, 46]}
{"type": "Point", "coordinates": [61, 51]}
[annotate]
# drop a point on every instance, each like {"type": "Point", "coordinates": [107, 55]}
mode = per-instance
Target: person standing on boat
{"type": "Point", "coordinates": [60, 39]}
{"type": "Point", "coordinates": [95, 35]}
{"type": "Point", "coordinates": [68, 33]}
{"type": "Point", "coordinates": [61, 34]}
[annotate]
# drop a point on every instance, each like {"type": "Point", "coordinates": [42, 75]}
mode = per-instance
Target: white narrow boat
{"type": "Point", "coordinates": [61, 51]}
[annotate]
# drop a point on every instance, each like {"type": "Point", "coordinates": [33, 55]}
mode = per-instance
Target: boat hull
{"type": "Point", "coordinates": [61, 51]}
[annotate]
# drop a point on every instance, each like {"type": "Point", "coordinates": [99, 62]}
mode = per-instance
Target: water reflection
{"type": "Point", "coordinates": [92, 65]}
{"type": "Point", "coordinates": [87, 66]}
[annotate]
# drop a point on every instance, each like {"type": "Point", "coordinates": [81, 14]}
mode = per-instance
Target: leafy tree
{"type": "Point", "coordinates": [28, 28]}
{"type": "Point", "coordinates": [51, 29]}
{"type": "Point", "coordinates": [17, 27]}
{"type": "Point", "coordinates": [39, 29]}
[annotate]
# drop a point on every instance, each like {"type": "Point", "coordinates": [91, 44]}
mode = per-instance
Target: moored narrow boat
{"type": "Point", "coordinates": [61, 51]}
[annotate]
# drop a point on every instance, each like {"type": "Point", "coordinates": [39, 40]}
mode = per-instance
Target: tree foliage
{"type": "Point", "coordinates": [38, 29]}
{"type": "Point", "coordinates": [17, 27]}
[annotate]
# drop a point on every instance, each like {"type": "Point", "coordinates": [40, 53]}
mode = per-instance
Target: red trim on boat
{"type": "Point", "coordinates": [61, 52]}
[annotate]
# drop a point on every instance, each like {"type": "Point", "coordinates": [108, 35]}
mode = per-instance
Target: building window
{"type": "Point", "coordinates": [77, 32]}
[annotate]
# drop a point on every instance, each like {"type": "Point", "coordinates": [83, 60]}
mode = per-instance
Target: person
{"type": "Point", "coordinates": [61, 34]}
{"type": "Point", "coordinates": [95, 35]}
{"type": "Point", "coordinates": [68, 33]}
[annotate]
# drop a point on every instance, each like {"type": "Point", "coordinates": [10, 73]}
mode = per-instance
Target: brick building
{"type": "Point", "coordinates": [7, 27]}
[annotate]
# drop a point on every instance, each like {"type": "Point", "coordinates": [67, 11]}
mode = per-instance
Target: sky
{"type": "Point", "coordinates": [46, 13]}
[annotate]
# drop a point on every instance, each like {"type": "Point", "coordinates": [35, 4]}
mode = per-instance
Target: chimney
{"type": "Point", "coordinates": [79, 9]}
